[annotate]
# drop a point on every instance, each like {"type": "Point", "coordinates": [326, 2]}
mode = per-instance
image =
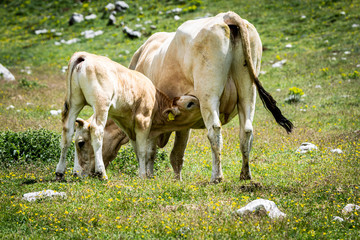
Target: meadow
{"type": "Point", "coordinates": [319, 39]}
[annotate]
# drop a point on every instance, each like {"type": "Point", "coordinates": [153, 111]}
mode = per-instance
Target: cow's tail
{"type": "Point", "coordinates": [74, 61]}
{"type": "Point", "coordinates": [268, 101]}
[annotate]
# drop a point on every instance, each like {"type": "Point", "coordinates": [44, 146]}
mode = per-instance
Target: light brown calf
{"type": "Point", "coordinates": [130, 99]}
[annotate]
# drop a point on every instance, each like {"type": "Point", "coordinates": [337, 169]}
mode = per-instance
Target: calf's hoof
{"type": "Point", "coordinates": [245, 176]}
{"type": "Point", "coordinates": [59, 176]}
{"type": "Point", "coordinates": [101, 176]}
{"type": "Point", "coordinates": [216, 180]}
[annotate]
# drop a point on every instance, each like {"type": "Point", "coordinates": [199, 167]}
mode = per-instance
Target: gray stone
{"type": "Point", "coordinates": [279, 64]}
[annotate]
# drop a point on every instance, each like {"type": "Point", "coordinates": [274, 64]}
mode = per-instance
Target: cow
{"type": "Point", "coordinates": [216, 59]}
{"type": "Point", "coordinates": [130, 99]}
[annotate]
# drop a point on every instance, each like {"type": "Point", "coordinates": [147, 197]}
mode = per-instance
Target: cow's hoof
{"type": "Point", "coordinates": [101, 176]}
{"type": "Point", "coordinates": [59, 176]}
{"type": "Point", "coordinates": [76, 174]}
{"type": "Point", "coordinates": [245, 176]}
{"type": "Point", "coordinates": [216, 180]}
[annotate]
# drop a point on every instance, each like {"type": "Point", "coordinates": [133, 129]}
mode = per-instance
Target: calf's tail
{"type": "Point", "coordinates": [74, 61]}
{"type": "Point", "coordinates": [269, 102]}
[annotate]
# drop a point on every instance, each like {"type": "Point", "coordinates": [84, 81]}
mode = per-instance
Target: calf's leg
{"type": "Point", "coordinates": [69, 117]}
{"type": "Point", "coordinates": [178, 151]}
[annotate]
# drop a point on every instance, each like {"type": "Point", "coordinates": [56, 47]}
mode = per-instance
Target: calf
{"type": "Point", "coordinates": [130, 99]}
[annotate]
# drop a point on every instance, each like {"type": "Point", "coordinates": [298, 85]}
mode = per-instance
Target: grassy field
{"type": "Point", "coordinates": [311, 188]}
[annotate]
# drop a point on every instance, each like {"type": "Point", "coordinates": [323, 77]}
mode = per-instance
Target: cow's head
{"type": "Point", "coordinates": [114, 138]}
{"type": "Point", "coordinates": [185, 110]}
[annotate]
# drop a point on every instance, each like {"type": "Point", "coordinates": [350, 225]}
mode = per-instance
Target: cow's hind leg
{"type": "Point", "coordinates": [70, 114]}
{"type": "Point", "coordinates": [246, 108]}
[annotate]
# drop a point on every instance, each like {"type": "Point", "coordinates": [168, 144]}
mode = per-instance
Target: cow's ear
{"type": "Point", "coordinates": [79, 122]}
{"type": "Point", "coordinates": [171, 113]}
{"type": "Point", "coordinates": [187, 102]}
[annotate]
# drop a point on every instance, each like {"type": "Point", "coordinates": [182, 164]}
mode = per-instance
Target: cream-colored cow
{"type": "Point", "coordinates": [130, 99]}
{"type": "Point", "coordinates": [216, 59]}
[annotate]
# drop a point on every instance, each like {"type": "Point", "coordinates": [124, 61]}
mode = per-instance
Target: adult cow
{"type": "Point", "coordinates": [130, 99]}
{"type": "Point", "coordinates": [216, 59]}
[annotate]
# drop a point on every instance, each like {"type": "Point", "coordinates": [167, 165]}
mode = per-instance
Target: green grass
{"type": "Point", "coordinates": [311, 188]}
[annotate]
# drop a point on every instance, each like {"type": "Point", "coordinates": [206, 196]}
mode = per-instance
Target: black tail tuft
{"type": "Point", "coordinates": [270, 104]}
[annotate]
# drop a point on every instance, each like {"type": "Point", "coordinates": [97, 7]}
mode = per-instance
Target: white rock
{"type": "Point", "coordinates": [347, 52]}
{"type": "Point", "coordinates": [10, 107]}
{"type": "Point", "coordinates": [27, 70]}
{"type": "Point", "coordinates": [306, 147]}
{"type": "Point", "coordinates": [121, 5]}
{"type": "Point", "coordinates": [279, 64]}
{"type": "Point", "coordinates": [326, 41]}
{"type": "Point", "coordinates": [343, 58]}
{"type": "Point", "coordinates": [42, 194]}
{"type": "Point", "coordinates": [41, 31]}
{"type": "Point", "coordinates": [303, 16]}
{"type": "Point", "coordinates": [176, 18]}
{"type": "Point", "coordinates": [355, 25]}
{"type": "Point", "coordinates": [76, 18]}
{"type": "Point", "coordinates": [333, 58]}
{"type": "Point", "coordinates": [337, 150]}
{"type": "Point", "coordinates": [55, 112]}
{"type": "Point", "coordinates": [71, 41]}
{"type": "Point", "coordinates": [90, 17]}
{"type": "Point", "coordinates": [110, 7]}
{"type": "Point", "coordinates": [6, 74]}
{"type": "Point", "coordinates": [91, 34]}
{"type": "Point", "coordinates": [288, 45]}
{"type": "Point", "coordinates": [57, 43]}
{"type": "Point", "coordinates": [342, 13]}
{"type": "Point", "coordinates": [339, 219]}
{"type": "Point", "coordinates": [318, 86]}
{"type": "Point", "coordinates": [350, 208]}
{"type": "Point", "coordinates": [147, 22]}
{"type": "Point", "coordinates": [358, 65]}
{"type": "Point", "coordinates": [278, 90]}
{"type": "Point", "coordinates": [261, 205]}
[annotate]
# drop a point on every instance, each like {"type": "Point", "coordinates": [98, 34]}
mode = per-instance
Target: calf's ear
{"type": "Point", "coordinates": [79, 122]}
{"type": "Point", "coordinates": [171, 113]}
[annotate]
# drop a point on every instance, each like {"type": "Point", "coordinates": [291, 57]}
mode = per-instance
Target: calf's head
{"type": "Point", "coordinates": [114, 138]}
{"type": "Point", "coordinates": [185, 111]}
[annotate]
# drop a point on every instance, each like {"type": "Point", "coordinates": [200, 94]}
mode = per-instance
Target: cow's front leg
{"type": "Point", "coordinates": [69, 116]}
{"type": "Point", "coordinates": [178, 151]}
